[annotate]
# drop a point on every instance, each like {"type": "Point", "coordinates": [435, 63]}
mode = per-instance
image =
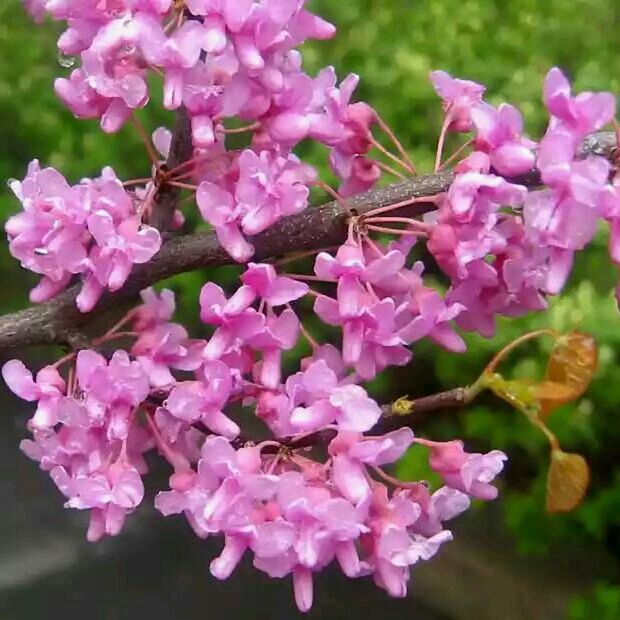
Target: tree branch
{"type": "Point", "coordinates": [181, 150]}
{"type": "Point", "coordinates": [56, 321]}
{"type": "Point", "coordinates": [450, 399]}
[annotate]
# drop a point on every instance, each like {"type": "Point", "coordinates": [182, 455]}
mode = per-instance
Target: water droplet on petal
{"type": "Point", "coordinates": [65, 60]}
{"type": "Point", "coordinates": [11, 182]}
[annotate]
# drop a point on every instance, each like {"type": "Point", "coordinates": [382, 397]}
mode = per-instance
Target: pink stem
{"type": "Point", "coordinates": [333, 193]}
{"type": "Point", "coordinates": [456, 153]}
{"type": "Point", "coordinates": [164, 448]}
{"type": "Point", "coordinates": [396, 231]}
{"type": "Point", "coordinates": [235, 130]}
{"type": "Point", "coordinates": [71, 381]}
{"type": "Point", "coordinates": [313, 343]}
{"type": "Point", "coordinates": [387, 153]}
{"type": "Point", "coordinates": [309, 278]}
{"type": "Point", "coordinates": [300, 255]}
{"type": "Point", "coordinates": [145, 205]}
{"type": "Point", "coordinates": [145, 140]}
{"type": "Point", "coordinates": [193, 188]}
{"type": "Point", "coordinates": [442, 137]}
{"type": "Point", "coordinates": [186, 163]}
{"type": "Point", "coordinates": [403, 220]}
{"type": "Point", "coordinates": [427, 443]}
{"type": "Point", "coordinates": [384, 126]}
{"type": "Point", "coordinates": [136, 181]}
{"type": "Point", "coordinates": [394, 481]}
{"type": "Point", "coordinates": [128, 317]}
{"type": "Point", "coordinates": [400, 205]}
{"type": "Point", "coordinates": [389, 170]}
{"type": "Point", "coordinates": [104, 339]}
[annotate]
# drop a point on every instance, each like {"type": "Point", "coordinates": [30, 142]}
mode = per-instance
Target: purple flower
{"type": "Point", "coordinates": [110, 496]}
{"type": "Point", "coordinates": [499, 133]}
{"type": "Point", "coordinates": [274, 289]}
{"type": "Point", "coordinates": [88, 229]}
{"type": "Point", "coordinates": [235, 321]}
{"type": "Point", "coordinates": [327, 402]}
{"type": "Point", "coordinates": [47, 390]}
{"type": "Point", "coordinates": [112, 390]}
{"type": "Point", "coordinates": [351, 452]}
{"type": "Point", "coordinates": [469, 473]}
{"type": "Point", "coordinates": [269, 188]}
{"type": "Point", "coordinates": [459, 97]}
{"type": "Point", "coordinates": [351, 260]}
{"type": "Point", "coordinates": [394, 547]}
{"type": "Point", "coordinates": [204, 400]}
{"type": "Point", "coordinates": [280, 334]}
{"type": "Point", "coordinates": [431, 318]}
{"type": "Point", "coordinates": [582, 114]}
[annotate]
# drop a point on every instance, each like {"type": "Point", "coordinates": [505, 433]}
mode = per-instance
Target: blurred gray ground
{"type": "Point", "coordinates": [158, 569]}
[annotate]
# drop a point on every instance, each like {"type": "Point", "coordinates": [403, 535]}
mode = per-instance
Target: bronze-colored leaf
{"type": "Point", "coordinates": [572, 364]}
{"type": "Point", "coordinates": [567, 481]}
{"type": "Point", "coordinates": [553, 391]}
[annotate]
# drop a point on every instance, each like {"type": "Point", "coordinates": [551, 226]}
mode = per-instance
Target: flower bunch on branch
{"type": "Point", "coordinates": [501, 218]}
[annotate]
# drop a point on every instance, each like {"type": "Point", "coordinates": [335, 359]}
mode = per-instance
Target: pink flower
{"type": "Point", "coordinates": [459, 97]}
{"type": "Point", "coordinates": [110, 496]}
{"type": "Point", "coordinates": [582, 114]}
{"type": "Point", "coordinates": [350, 259]}
{"type": "Point", "coordinates": [236, 322]}
{"type": "Point", "coordinates": [432, 316]}
{"type": "Point", "coordinates": [469, 473]}
{"type": "Point", "coordinates": [341, 124]}
{"type": "Point", "coordinates": [87, 229]}
{"type": "Point", "coordinates": [269, 188]}
{"type": "Point", "coordinates": [47, 390]}
{"type": "Point", "coordinates": [112, 390]}
{"type": "Point", "coordinates": [499, 133]}
{"type": "Point", "coordinates": [351, 452]}
{"type": "Point", "coordinates": [281, 333]}
{"type": "Point", "coordinates": [327, 402]}
{"type": "Point", "coordinates": [156, 308]}
{"type": "Point", "coordinates": [204, 400]}
{"type": "Point", "coordinates": [36, 8]}
{"type": "Point", "coordinates": [394, 547]}
{"type": "Point", "coordinates": [275, 290]}
{"type": "Point", "coordinates": [164, 347]}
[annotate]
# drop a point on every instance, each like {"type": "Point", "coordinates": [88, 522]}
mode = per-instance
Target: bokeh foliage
{"type": "Point", "coordinates": [393, 44]}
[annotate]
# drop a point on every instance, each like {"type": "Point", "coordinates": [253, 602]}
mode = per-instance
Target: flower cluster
{"type": "Point", "coordinates": [219, 60]}
{"type": "Point", "coordinates": [295, 514]}
{"type": "Point", "coordinates": [500, 246]}
{"type": "Point", "coordinates": [505, 248]}
{"type": "Point", "coordinates": [94, 229]}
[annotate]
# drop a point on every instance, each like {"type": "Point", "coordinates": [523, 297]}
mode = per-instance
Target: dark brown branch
{"type": "Point", "coordinates": [57, 321]}
{"type": "Point", "coordinates": [180, 150]}
{"type": "Point", "coordinates": [450, 399]}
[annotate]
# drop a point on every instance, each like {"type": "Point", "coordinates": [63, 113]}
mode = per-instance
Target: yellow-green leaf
{"type": "Point", "coordinates": [520, 393]}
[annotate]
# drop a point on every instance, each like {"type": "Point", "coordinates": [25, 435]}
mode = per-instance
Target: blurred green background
{"type": "Point", "coordinates": [393, 45]}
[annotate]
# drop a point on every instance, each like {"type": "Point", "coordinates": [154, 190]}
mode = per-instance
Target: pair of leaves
{"type": "Point", "coordinates": [569, 371]}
